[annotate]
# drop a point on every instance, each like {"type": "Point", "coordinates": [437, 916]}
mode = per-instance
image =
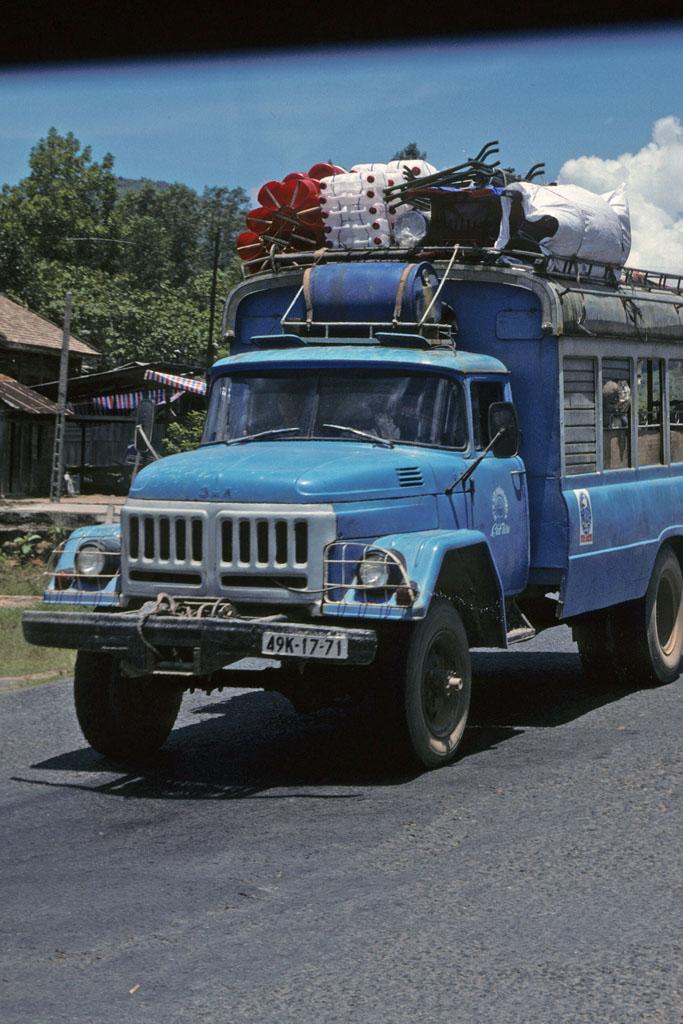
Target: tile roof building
{"type": "Point", "coordinates": [20, 398]}
{"type": "Point", "coordinates": [30, 345]}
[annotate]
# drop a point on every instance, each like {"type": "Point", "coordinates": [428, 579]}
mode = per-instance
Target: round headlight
{"type": "Point", "coordinates": [90, 560]}
{"type": "Point", "coordinates": [373, 571]}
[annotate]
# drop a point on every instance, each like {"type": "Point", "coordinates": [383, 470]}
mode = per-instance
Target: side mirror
{"type": "Point", "coordinates": [144, 425]}
{"type": "Point", "coordinates": [503, 420]}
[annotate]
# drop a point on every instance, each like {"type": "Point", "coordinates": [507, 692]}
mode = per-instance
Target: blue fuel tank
{"type": "Point", "coordinates": [373, 293]}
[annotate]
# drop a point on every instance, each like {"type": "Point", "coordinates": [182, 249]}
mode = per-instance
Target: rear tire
{"type": "Point", "coordinates": [651, 636]}
{"type": "Point", "coordinates": [640, 643]}
{"type": "Point", "coordinates": [593, 637]}
{"type": "Point", "coordinates": [122, 717]}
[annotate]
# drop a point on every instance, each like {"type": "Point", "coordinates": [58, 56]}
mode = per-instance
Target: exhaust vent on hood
{"type": "Point", "coordinates": [409, 476]}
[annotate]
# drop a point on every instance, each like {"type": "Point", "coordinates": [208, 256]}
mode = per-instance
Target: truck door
{"type": "Point", "coordinates": [499, 502]}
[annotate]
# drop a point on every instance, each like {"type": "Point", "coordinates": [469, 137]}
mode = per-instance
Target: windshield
{"type": "Point", "coordinates": [371, 405]}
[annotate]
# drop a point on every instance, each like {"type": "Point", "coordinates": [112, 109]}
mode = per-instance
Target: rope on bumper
{"type": "Point", "coordinates": [165, 604]}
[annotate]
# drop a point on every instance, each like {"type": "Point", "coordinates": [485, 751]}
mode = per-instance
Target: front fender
{"type": "Point", "coordinates": [459, 565]}
{"type": "Point", "coordinates": [83, 591]}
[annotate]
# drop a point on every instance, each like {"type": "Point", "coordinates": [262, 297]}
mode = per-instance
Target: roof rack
{"type": "Point", "coordinates": [652, 279]}
{"type": "Point", "coordinates": [577, 269]}
{"type": "Point", "coordinates": [375, 336]}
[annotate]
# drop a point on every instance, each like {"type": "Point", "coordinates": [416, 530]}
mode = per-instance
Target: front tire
{"type": "Point", "coordinates": [121, 717]}
{"type": "Point", "coordinates": [436, 687]}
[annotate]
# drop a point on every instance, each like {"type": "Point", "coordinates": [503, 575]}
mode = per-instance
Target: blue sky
{"type": "Point", "coordinates": [243, 120]}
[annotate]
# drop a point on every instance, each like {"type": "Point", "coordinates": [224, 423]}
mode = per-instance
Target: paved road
{"type": "Point", "coordinates": [267, 868]}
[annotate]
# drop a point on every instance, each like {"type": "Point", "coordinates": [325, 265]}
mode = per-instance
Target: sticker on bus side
{"type": "Point", "coordinates": [583, 500]}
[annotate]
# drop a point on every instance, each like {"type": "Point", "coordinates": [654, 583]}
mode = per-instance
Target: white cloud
{"type": "Point", "coordinates": [654, 180]}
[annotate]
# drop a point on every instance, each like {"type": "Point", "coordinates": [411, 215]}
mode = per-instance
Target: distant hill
{"type": "Point", "coordinates": [125, 185]}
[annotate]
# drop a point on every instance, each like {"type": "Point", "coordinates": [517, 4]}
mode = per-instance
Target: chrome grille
{"type": "Point", "coordinates": [175, 540]}
{"type": "Point", "coordinates": [253, 552]}
{"type": "Point", "coordinates": [262, 543]}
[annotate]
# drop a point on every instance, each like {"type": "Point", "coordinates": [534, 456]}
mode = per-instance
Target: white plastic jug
{"type": "Point", "coordinates": [420, 168]}
{"type": "Point", "coordinates": [368, 167]}
{"type": "Point", "coordinates": [410, 228]}
{"type": "Point", "coordinates": [395, 210]}
{"type": "Point", "coordinates": [341, 184]}
{"type": "Point", "coordinates": [368, 215]}
{"type": "Point", "coordinates": [357, 236]}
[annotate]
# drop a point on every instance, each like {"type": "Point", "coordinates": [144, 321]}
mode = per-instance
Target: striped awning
{"type": "Point", "coordinates": [172, 380]}
{"type": "Point", "coordinates": [126, 401]}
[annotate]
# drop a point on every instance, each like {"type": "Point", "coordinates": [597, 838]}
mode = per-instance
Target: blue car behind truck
{"type": "Point", "coordinates": [402, 460]}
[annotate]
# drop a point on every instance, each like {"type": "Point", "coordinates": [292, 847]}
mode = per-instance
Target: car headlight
{"type": "Point", "coordinates": [373, 571]}
{"type": "Point", "coordinates": [90, 561]}
{"type": "Point", "coordinates": [97, 559]}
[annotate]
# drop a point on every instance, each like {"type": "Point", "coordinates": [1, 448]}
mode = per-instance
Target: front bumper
{"type": "Point", "coordinates": [195, 646]}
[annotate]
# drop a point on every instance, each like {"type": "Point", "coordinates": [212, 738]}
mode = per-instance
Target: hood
{"type": "Point", "coordinates": [291, 472]}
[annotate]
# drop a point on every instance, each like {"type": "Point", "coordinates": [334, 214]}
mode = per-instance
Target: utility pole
{"type": "Point", "coordinates": [210, 354]}
{"type": "Point", "coordinates": [58, 450]}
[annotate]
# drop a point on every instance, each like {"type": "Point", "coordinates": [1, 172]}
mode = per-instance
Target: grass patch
{"type": "Point", "coordinates": [21, 579]}
{"type": "Point", "coordinates": [22, 659]}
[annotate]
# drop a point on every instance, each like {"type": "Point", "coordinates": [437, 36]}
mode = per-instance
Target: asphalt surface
{"type": "Point", "coordinates": [267, 867]}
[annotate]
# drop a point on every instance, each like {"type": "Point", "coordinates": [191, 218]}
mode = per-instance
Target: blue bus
{"type": "Point", "coordinates": [403, 459]}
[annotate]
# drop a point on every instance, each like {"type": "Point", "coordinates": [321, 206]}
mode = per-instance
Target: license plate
{"type": "Point", "coordinates": [302, 645]}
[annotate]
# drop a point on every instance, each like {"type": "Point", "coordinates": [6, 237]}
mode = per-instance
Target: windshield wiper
{"type": "Point", "coordinates": [262, 433]}
{"type": "Point", "coordinates": [360, 433]}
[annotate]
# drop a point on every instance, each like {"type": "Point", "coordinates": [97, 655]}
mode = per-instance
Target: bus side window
{"type": "Point", "coordinates": [616, 413]}
{"type": "Point", "coordinates": [580, 441]}
{"type": "Point", "coordinates": [650, 411]}
{"type": "Point", "coordinates": [484, 393]}
{"type": "Point", "coordinates": [676, 408]}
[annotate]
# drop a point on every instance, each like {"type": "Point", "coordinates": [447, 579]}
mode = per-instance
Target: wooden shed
{"type": "Point", "coordinates": [27, 424]}
{"type": "Point", "coordinates": [101, 427]}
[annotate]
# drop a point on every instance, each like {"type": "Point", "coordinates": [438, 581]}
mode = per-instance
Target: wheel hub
{"type": "Point", "coordinates": [441, 693]}
{"type": "Point", "coordinates": [666, 614]}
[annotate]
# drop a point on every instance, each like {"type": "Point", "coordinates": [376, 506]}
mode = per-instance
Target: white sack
{"type": "Point", "coordinates": [618, 202]}
{"type": "Point", "coordinates": [590, 226]}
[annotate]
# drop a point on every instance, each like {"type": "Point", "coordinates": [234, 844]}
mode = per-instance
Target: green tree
{"type": "Point", "coordinates": [222, 209]}
{"type": "Point", "coordinates": [138, 260]}
{"type": "Point", "coordinates": [184, 434]}
{"type": "Point", "coordinates": [66, 197]}
{"type": "Point", "coordinates": [410, 152]}
{"type": "Point", "coordinates": [161, 229]}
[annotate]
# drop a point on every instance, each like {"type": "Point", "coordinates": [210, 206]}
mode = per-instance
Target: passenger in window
{"type": "Point", "coordinates": [385, 426]}
{"type": "Point", "coordinates": [616, 422]}
{"type": "Point", "coordinates": [616, 402]}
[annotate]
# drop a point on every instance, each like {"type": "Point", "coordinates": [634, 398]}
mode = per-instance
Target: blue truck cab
{"type": "Point", "coordinates": [403, 459]}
